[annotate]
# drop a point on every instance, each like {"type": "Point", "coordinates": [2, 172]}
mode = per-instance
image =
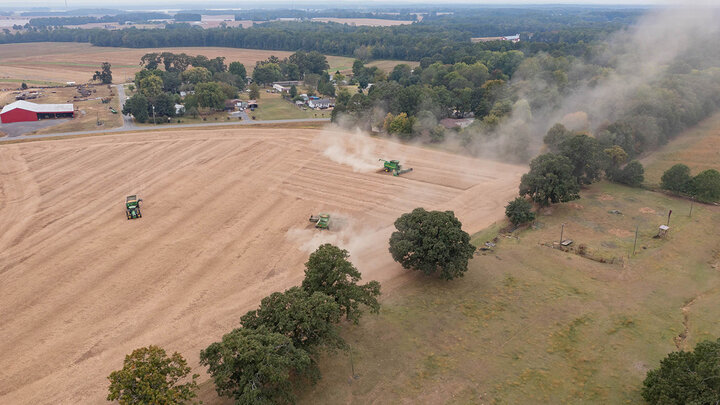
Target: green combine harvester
{"type": "Point", "coordinates": [322, 221]}
{"type": "Point", "coordinates": [132, 207]}
{"type": "Point", "coordinates": [394, 167]}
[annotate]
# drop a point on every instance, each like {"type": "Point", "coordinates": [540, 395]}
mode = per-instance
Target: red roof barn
{"type": "Point", "coordinates": [26, 111]}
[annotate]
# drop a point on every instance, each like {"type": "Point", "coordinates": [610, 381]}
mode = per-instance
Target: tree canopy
{"type": "Point", "coordinates": [676, 179]}
{"type": "Point", "coordinates": [584, 155]}
{"type": "Point", "coordinates": [329, 271]}
{"type": "Point", "coordinates": [550, 180]}
{"type": "Point", "coordinates": [706, 186]}
{"type": "Point", "coordinates": [308, 319]}
{"type": "Point", "coordinates": [432, 242]}
{"type": "Point", "coordinates": [150, 377]}
{"type": "Point", "coordinates": [255, 366]}
{"type": "Point", "coordinates": [519, 211]}
{"type": "Point", "coordinates": [686, 377]}
{"type": "Point", "coordinates": [104, 74]}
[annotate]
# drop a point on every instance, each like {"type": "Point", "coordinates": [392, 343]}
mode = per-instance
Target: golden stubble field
{"type": "Point", "coordinates": [224, 224]}
{"type": "Point", "coordinates": [50, 63]}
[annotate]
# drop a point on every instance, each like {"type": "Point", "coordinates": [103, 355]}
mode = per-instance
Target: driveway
{"type": "Point", "coordinates": [128, 122]}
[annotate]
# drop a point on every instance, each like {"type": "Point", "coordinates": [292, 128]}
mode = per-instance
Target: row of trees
{"type": "Point", "coordinates": [297, 66]}
{"type": "Point", "coordinates": [705, 186]}
{"type": "Point", "coordinates": [575, 160]}
{"type": "Point", "coordinates": [273, 350]}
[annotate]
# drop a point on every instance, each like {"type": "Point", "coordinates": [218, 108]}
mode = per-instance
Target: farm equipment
{"type": "Point", "coordinates": [322, 221]}
{"type": "Point", "coordinates": [394, 167]}
{"type": "Point", "coordinates": [132, 207]}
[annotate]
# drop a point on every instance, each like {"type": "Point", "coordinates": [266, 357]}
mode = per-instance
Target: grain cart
{"type": "Point", "coordinates": [322, 221]}
{"type": "Point", "coordinates": [132, 207]}
{"type": "Point", "coordinates": [394, 167]}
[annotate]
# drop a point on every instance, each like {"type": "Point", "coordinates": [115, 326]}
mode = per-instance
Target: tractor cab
{"type": "Point", "coordinates": [394, 167]}
{"type": "Point", "coordinates": [322, 221]}
{"type": "Point", "coordinates": [132, 207]}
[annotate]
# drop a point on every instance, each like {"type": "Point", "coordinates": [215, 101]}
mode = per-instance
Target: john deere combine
{"type": "Point", "coordinates": [322, 221]}
{"type": "Point", "coordinates": [132, 207]}
{"type": "Point", "coordinates": [394, 167]}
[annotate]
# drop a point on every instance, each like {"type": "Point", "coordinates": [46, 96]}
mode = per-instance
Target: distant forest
{"type": "Point", "coordinates": [443, 37]}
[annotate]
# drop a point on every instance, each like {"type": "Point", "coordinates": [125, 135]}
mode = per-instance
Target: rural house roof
{"type": "Point", "coordinates": [39, 108]}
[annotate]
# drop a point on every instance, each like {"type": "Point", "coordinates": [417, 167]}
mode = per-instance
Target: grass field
{"type": "Point", "coordinates": [273, 107]}
{"type": "Point", "coordinates": [532, 324]}
{"type": "Point", "coordinates": [698, 147]}
{"type": "Point", "coordinates": [536, 325]}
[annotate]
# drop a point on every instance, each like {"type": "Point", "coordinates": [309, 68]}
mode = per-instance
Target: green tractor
{"type": "Point", "coordinates": [322, 221]}
{"type": "Point", "coordinates": [132, 207]}
{"type": "Point", "coordinates": [394, 167]}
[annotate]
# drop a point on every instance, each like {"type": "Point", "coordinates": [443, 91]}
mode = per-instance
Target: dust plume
{"type": "Point", "coordinates": [606, 86]}
{"type": "Point", "coordinates": [351, 148]}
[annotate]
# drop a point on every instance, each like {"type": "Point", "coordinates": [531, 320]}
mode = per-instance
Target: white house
{"type": "Point", "coordinates": [321, 103]}
{"type": "Point", "coordinates": [280, 88]}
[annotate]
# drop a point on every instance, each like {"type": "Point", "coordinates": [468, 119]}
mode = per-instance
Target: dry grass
{"type": "Point", "coordinates": [698, 147]}
{"type": "Point", "coordinates": [532, 324]}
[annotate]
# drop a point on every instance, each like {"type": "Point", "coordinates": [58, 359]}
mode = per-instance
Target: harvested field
{"type": "Point", "coordinates": [61, 62]}
{"type": "Point", "coordinates": [224, 224]}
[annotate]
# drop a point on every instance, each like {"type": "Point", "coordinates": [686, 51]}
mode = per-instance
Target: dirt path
{"type": "Point", "coordinates": [224, 224]}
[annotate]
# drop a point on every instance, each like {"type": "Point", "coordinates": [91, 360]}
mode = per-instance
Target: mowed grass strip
{"type": "Point", "coordinates": [533, 324]}
{"type": "Point", "coordinates": [273, 107]}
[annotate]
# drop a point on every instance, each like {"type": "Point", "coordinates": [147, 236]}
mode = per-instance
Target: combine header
{"type": "Point", "coordinates": [132, 207]}
{"type": "Point", "coordinates": [322, 221]}
{"type": "Point", "coordinates": [394, 167]}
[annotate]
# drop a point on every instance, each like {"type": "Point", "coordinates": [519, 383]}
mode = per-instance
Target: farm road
{"type": "Point", "coordinates": [163, 127]}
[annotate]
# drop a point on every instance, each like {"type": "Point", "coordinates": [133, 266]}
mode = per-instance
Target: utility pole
{"type": "Point", "coordinates": [352, 364]}
{"type": "Point", "coordinates": [562, 229]}
{"type": "Point", "coordinates": [637, 227]}
{"type": "Point", "coordinates": [692, 200]}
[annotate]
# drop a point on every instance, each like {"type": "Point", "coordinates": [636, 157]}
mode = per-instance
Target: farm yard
{"type": "Point", "coordinates": [90, 110]}
{"type": "Point", "coordinates": [224, 224]}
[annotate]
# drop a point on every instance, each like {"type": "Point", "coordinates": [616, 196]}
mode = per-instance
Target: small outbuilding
{"type": "Point", "coordinates": [22, 111]}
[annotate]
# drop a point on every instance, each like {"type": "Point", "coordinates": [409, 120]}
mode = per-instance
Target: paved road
{"type": "Point", "coordinates": [128, 122]}
{"type": "Point", "coordinates": [165, 127]}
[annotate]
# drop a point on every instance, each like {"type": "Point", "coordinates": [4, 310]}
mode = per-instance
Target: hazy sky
{"type": "Point", "coordinates": [60, 4]}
